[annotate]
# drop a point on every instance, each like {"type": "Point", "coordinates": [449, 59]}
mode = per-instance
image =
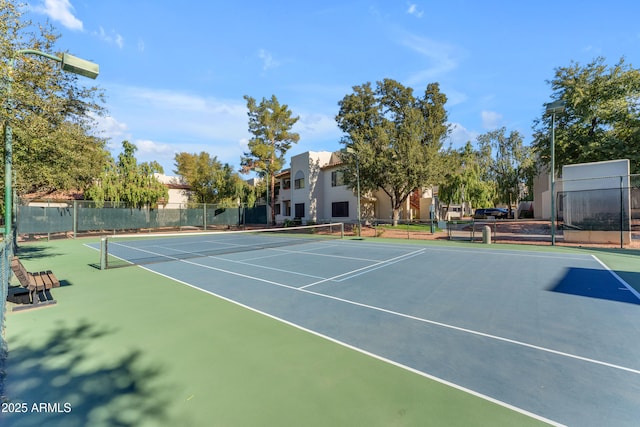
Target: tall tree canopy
{"type": "Point", "coordinates": [51, 114]}
{"type": "Point", "coordinates": [509, 164]}
{"type": "Point", "coordinates": [467, 178]}
{"type": "Point", "coordinates": [602, 116]}
{"type": "Point", "coordinates": [396, 138]}
{"type": "Point", "coordinates": [210, 180]}
{"type": "Point", "coordinates": [125, 181]}
{"type": "Point", "coordinates": [270, 123]}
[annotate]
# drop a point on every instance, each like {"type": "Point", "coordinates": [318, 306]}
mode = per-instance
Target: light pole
{"type": "Point", "coordinates": [352, 151]}
{"type": "Point", "coordinates": [69, 63]}
{"type": "Point", "coordinates": [554, 108]}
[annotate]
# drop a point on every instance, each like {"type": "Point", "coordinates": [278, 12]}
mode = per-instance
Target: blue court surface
{"type": "Point", "coordinates": [551, 334]}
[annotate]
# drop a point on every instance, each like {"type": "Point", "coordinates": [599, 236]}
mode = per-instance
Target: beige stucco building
{"type": "Point", "coordinates": [313, 190]}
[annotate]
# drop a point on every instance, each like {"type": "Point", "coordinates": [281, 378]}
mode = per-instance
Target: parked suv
{"type": "Point", "coordinates": [497, 213]}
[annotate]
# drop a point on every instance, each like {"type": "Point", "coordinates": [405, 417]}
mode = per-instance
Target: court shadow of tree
{"type": "Point", "coordinates": [594, 283]}
{"type": "Point", "coordinates": [36, 252]}
{"type": "Point", "coordinates": [124, 391]}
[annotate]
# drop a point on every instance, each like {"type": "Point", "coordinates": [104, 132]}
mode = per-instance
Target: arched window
{"type": "Point", "coordinates": [298, 183]}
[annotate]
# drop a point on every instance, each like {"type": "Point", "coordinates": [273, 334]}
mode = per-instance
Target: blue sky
{"type": "Point", "coordinates": [175, 73]}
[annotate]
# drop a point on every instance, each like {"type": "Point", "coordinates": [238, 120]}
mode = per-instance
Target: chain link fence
{"type": "Point", "coordinates": [83, 217]}
{"type": "Point", "coordinates": [603, 210]}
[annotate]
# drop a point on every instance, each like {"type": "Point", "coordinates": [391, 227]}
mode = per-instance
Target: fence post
{"type": "Point", "coordinates": [621, 214]}
{"type": "Point", "coordinates": [204, 216]}
{"type": "Point", "coordinates": [74, 221]}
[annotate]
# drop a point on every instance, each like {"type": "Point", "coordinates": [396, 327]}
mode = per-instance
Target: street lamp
{"type": "Point", "coordinates": [554, 108]}
{"type": "Point", "coordinates": [352, 151]}
{"type": "Point", "coordinates": [68, 63]}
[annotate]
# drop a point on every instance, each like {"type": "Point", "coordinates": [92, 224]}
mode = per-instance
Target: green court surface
{"type": "Point", "coordinates": [127, 347]}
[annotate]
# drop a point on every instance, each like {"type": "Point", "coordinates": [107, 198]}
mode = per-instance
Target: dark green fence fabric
{"type": "Point", "coordinates": [53, 219]}
{"type": "Point", "coordinates": [84, 216]}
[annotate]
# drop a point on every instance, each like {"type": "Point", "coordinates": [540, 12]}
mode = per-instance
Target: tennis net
{"type": "Point", "coordinates": [136, 249]}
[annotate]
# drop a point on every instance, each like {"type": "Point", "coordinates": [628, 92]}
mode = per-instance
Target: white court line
{"type": "Point", "coordinates": [382, 265]}
{"type": "Point", "coordinates": [367, 268]}
{"type": "Point", "coordinates": [367, 353]}
{"type": "Point", "coordinates": [427, 321]}
{"type": "Point", "coordinates": [627, 286]}
{"type": "Point", "coordinates": [252, 265]}
{"type": "Point", "coordinates": [485, 251]}
{"type": "Point", "coordinates": [495, 252]}
{"type": "Point", "coordinates": [419, 319]}
{"type": "Point", "coordinates": [307, 252]}
{"type": "Point", "coordinates": [322, 279]}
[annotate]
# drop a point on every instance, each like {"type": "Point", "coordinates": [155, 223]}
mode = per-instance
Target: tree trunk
{"type": "Point", "coordinates": [396, 216]}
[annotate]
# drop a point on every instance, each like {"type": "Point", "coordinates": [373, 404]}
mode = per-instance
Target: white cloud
{"type": "Point", "coordinates": [110, 127]}
{"type": "Point", "coordinates": [267, 60]}
{"type": "Point", "coordinates": [413, 10]}
{"type": "Point", "coordinates": [60, 11]}
{"type": "Point", "coordinates": [442, 58]}
{"type": "Point", "coordinates": [491, 119]}
{"type": "Point", "coordinates": [112, 37]}
{"type": "Point", "coordinates": [454, 97]}
{"type": "Point", "coordinates": [460, 135]}
{"type": "Point", "coordinates": [119, 41]}
{"type": "Point", "coordinates": [164, 122]}
{"type": "Point", "coordinates": [146, 146]}
{"type": "Point", "coordinates": [317, 126]}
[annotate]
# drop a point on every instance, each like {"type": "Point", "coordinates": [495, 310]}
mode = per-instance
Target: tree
{"type": "Point", "coordinates": [270, 123]}
{"type": "Point", "coordinates": [602, 116]}
{"type": "Point", "coordinates": [509, 164]}
{"type": "Point", "coordinates": [210, 180]}
{"type": "Point", "coordinates": [396, 138]}
{"type": "Point", "coordinates": [52, 116]}
{"type": "Point", "coordinates": [125, 181]}
{"type": "Point", "coordinates": [465, 179]}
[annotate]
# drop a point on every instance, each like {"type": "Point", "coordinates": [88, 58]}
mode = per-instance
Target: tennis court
{"type": "Point", "coordinates": [550, 334]}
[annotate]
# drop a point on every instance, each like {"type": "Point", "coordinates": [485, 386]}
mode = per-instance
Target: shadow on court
{"type": "Point", "coordinates": [594, 283]}
{"type": "Point", "coordinates": [36, 252]}
{"type": "Point", "coordinates": [69, 388]}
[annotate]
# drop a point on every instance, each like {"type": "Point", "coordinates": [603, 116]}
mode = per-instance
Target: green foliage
{"type": "Point", "coordinates": [602, 116]}
{"type": "Point", "coordinates": [509, 162]}
{"type": "Point", "coordinates": [466, 179]}
{"type": "Point", "coordinates": [396, 138]}
{"type": "Point", "coordinates": [211, 181]}
{"type": "Point", "coordinates": [128, 182]}
{"type": "Point", "coordinates": [270, 123]}
{"type": "Point", "coordinates": [52, 115]}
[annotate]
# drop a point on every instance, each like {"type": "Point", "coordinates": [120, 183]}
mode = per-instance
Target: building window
{"type": "Point", "coordinates": [298, 183]}
{"type": "Point", "coordinates": [299, 210]}
{"type": "Point", "coordinates": [337, 178]}
{"type": "Point", "coordinates": [287, 208]}
{"type": "Point", "coordinates": [286, 183]}
{"type": "Point", "coordinates": [276, 209]}
{"type": "Point", "coordinates": [340, 209]}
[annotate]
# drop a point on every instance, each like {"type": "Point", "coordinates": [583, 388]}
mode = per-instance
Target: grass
{"type": "Point", "coordinates": [410, 227]}
{"type": "Point", "coordinates": [127, 347]}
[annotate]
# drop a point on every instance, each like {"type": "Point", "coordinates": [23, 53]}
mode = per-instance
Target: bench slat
{"type": "Point", "coordinates": [48, 284]}
{"type": "Point", "coordinates": [39, 282]}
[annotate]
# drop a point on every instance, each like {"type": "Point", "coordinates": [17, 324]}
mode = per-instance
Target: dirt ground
{"type": "Point", "coordinates": [514, 233]}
